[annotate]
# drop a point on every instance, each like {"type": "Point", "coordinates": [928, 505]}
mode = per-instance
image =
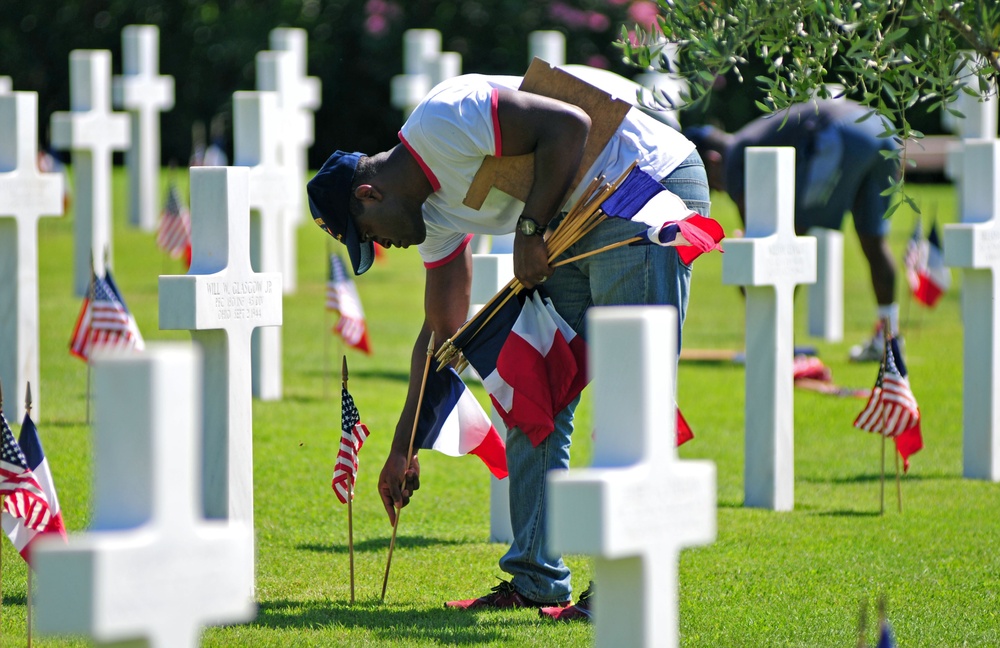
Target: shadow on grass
{"type": "Point", "coordinates": [382, 544]}
{"type": "Point", "coordinates": [845, 513]}
{"type": "Point", "coordinates": [868, 478]}
{"type": "Point", "coordinates": [390, 623]}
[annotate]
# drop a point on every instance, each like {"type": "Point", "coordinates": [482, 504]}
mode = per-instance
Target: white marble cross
{"type": "Point", "coordinates": [490, 273]}
{"type": "Point", "coordinates": [258, 126]}
{"type": "Point", "coordinates": [303, 93]}
{"type": "Point", "coordinates": [25, 195]}
{"type": "Point", "coordinates": [144, 93]}
{"type": "Point", "coordinates": [770, 261]}
{"type": "Point", "coordinates": [424, 66]}
{"type": "Point", "coordinates": [150, 570]}
{"type": "Point", "coordinates": [826, 296]}
{"type": "Point", "coordinates": [638, 506]}
{"type": "Point", "coordinates": [276, 72]}
{"type": "Point", "coordinates": [974, 245]}
{"type": "Point", "coordinates": [221, 301]}
{"type": "Point", "coordinates": [90, 131]}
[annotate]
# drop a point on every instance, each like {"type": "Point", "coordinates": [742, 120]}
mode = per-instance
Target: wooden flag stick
{"type": "Point", "coordinates": [409, 453]}
{"type": "Point", "coordinates": [350, 494]}
{"type": "Point", "coordinates": [881, 492]}
{"type": "Point", "coordinates": [610, 246]}
{"type": "Point", "coordinates": [899, 488]}
{"type": "Point", "coordinates": [28, 601]}
{"type": "Point", "coordinates": [2, 502]}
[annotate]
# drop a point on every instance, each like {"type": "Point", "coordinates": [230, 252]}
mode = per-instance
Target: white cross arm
{"type": "Point", "coordinates": [613, 513]}
{"type": "Point", "coordinates": [219, 301]}
{"type": "Point", "coordinates": [91, 568]}
{"type": "Point", "coordinates": [136, 92]}
{"type": "Point", "coordinates": [76, 131]}
{"type": "Point", "coordinates": [767, 261]}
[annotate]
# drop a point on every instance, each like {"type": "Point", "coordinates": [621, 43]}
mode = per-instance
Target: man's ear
{"type": "Point", "coordinates": [367, 192]}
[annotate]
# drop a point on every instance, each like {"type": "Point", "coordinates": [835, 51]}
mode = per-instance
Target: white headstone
{"type": "Point", "coordinates": [974, 245]}
{"type": "Point", "coordinates": [25, 195]}
{"type": "Point", "coordinates": [276, 72]}
{"type": "Point", "coordinates": [826, 296]}
{"type": "Point", "coordinates": [490, 273]}
{"type": "Point", "coordinates": [638, 506]}
{"type": "Point", "coordinates": [221, 301]}
{"type": "Point", "coordinates": [90, 131]}
{"type": "Point", "coordinates": [979, 120]}
{"type": "Point", "coordinates": [770, 261]}
{"type": "Point", "coordinates": [144, 93]}
{"type": "Point", "coordinates": [548, 45]}
{"type": "Point", "coordinates": [258, 126]}
{"type": "Point", "coordinates": [150, 570]}
{"type": "Point", "coordinates": [424, 66]}
{"type": "Point", "coordinates": [6, 85]}
{"type": "Point", "coordinates": [302, 92]}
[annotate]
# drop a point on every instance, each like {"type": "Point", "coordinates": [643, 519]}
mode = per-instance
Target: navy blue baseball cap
{"type": "Point", "coordinates": [329, 199]}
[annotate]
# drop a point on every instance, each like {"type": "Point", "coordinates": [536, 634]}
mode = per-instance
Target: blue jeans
{"type": "Point", "coordinates": [630, 275]}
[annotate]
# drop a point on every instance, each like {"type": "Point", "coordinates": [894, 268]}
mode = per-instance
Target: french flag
{"type": "Point", "coordinates": [642, 199]}
{"type": "Point", "coordinates": [933, 277]}
{"type": "Point", "coordinates": [531, 361]}
{"type": "Point", "coordinates": [20, 535]}
{"type": "Point", "coordinates": [453, 422]}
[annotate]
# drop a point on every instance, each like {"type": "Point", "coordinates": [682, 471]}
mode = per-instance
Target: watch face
{"type": "Point", "coordinates": [527, 226]}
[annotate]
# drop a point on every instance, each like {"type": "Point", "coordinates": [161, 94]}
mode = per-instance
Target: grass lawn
{"type": "Point", "coordinates": [770, 579]}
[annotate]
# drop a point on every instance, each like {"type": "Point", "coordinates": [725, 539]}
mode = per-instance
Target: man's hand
{"type": "Point", "coordinates": [394, 491]}
{"type": "Point", "coordinates": [531, 260]}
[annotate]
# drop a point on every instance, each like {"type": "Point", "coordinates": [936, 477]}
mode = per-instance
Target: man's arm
{"type": "Point", "coordinates": [446, 307]}
{"type": "Point", "coordinates": [556, 132]}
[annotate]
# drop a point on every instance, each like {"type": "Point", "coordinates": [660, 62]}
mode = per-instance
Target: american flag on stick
{"type": "Point", "coordinates": [174, 234]}
{"type": "Point", "coordinates": [25, 499]}
{"type": "Point", "coordinates": [104, 321]}
{"type": "Point", "coordinates": [353, 435]}
{"type": "Point", "coordinates": [342, 296]}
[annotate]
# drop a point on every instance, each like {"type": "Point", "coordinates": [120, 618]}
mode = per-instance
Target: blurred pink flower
{"type": "Point", "coordinates": [644, 13]}
{"type": "Point", "coordinates": [598, 61]}
{"type": "Point", "coordinates": [577, 18]}
{"type": "Point", "coordinates": [376, 25]}
{"type": "Point", "coordinates": [598, 22]}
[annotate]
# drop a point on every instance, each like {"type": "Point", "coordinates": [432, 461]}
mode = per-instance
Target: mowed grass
{"type": "Point", "coordinates": [770, 579]}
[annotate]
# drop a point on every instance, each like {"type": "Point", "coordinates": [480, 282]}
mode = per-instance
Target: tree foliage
{"type": "Point", "coordinates": [895, 56]}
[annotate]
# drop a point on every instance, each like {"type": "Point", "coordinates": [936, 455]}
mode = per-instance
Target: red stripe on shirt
{"type": "Point", "coordinates": [450, 257]}
{"type": "Point", "coordinates": [494, 102]}
{"type": "Point", "coordinates": [435, 184]}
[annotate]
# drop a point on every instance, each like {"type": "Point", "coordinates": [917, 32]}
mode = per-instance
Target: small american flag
{"type": "Point", "coordinates": [25, 498]}
{"type": "Point", "coordinates": [104, 321]}
{"type": "Point", "coordinates": [353, 435]}
{"type": "Point", "coordinates": [342, 296]}
{"type": "Point", "coordinates": [174, 235]}
{"type": "Point", "coordinates": [892, 409]}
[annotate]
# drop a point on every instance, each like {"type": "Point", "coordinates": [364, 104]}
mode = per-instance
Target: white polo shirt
{"type": "Point", "coordinates": [456, 126]}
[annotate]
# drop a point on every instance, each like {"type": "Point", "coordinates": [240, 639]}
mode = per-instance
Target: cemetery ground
{"type": "Point", "coordinates": [770, 579]}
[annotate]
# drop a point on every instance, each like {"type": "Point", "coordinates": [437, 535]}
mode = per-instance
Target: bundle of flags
{"type": "Point", "coordinates": [104, 320]}
{"type": "Point", "coordinates": [342, 296]}
{"type": "Point", "coordinates": [923, 261]}
{"type": "Point", "coordinates": [174, 233]}
{"type": "Point", "coordinates": [532, 362]}
{"type": "Point", "coordinates": [453, 422]}
{"type": "Point", "coordinates": [892, 409]}
{"type": "Point", "coordinates": [31, 506]}
{"type": "Point", "coordinates": [353, 435]}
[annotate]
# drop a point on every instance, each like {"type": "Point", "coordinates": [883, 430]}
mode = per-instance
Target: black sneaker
{"type": "Point", "coordinates": [503, 596]}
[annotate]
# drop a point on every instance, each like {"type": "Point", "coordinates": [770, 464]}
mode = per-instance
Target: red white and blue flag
{"type": "Point", "coordinates": [453, 422]}
{"type": "Point", "coordinates": [926, 272]}
{"type": "Point", "coordinates": [352, 437]}
{"type": "Point", "coordinates": [174, 233]}
{"type": "Point", "coordinates": [16, 527]}
{"type": "Point", "coordinates": [25, 498]}
{"type": "Point", "coordinates": [669, 222]}
{"type": "Point", "coordinates": [104, 321]}
{"type": "Point", "coordinates": [531, 361]}
{"type": "Point", "coordinates": [342, 296]}
{"type": "Point", "coordinates": [892, 409]}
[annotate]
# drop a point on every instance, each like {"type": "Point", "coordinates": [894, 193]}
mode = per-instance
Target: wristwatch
{"type": "Point", "coordinates": [529, 227]}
